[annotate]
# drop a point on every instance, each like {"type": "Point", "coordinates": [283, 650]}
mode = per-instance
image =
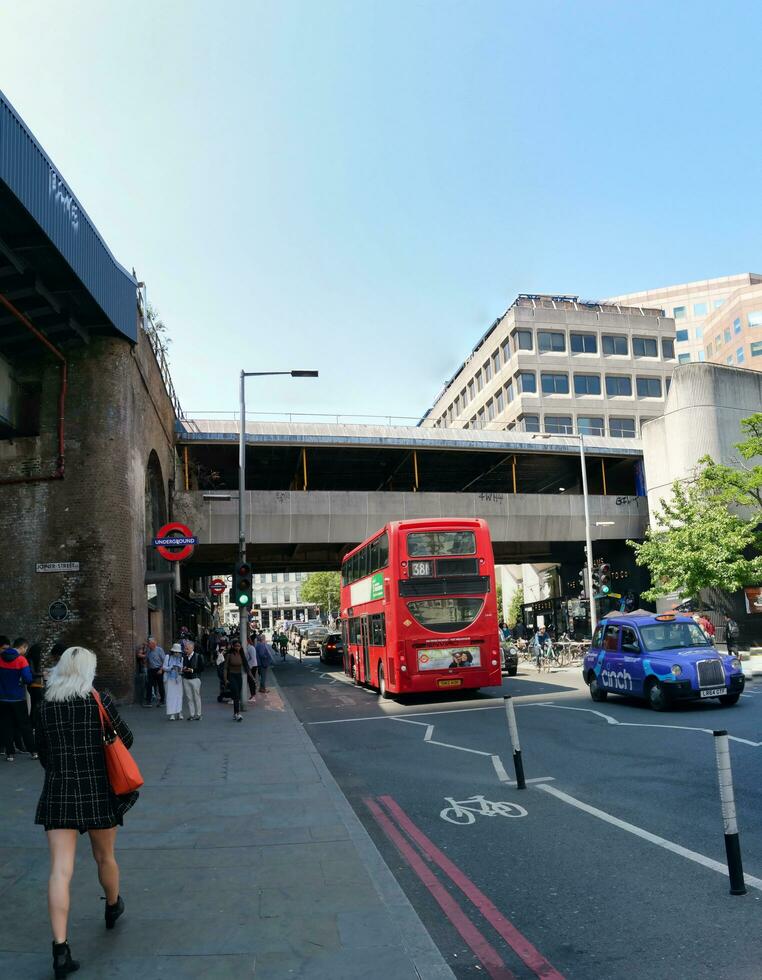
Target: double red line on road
{"type": "Point", "coordinates": [395, 823]}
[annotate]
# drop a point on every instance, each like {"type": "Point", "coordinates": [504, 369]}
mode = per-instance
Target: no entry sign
{"type": "Point", "coordinates": [217, 586]}
{"type": "Point", "coordinates": [172, 536]}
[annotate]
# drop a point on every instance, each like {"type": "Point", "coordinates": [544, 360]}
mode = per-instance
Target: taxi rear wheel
{"type": "Point", "coordinates": [657, 697]}
{"type": "Point", "coordinates": [596, 691]}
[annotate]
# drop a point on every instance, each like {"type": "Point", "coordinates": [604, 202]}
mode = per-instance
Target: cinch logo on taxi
{"type": "Point", "coordinates": [619, 679]}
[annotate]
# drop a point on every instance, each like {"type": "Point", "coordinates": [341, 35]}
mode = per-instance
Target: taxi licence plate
{"type": "Point", "coordinates": [450, 682]}
{"type": "Point", "coordinates": [712, 692]}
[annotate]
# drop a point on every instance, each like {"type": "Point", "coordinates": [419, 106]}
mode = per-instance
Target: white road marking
{"type": "Point", "coordinates": [445, 745]}
{"type": "Point", "coordinates": [502, 775]}
{"type": "Point", "coordinates": [639, 724]}
{"type": "Point", "coordinates": [668, 845]}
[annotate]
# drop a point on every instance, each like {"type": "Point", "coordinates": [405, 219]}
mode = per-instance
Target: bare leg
{"type": "Point", "coordinates": [63, 850]}
{"type": "Point", "coordinates": [102, 844]}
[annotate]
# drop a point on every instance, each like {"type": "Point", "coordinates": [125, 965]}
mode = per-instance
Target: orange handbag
{"type": "Point", "coordinates": [123, 773]}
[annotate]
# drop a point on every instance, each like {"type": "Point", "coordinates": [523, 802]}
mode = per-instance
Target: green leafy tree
{"type": "Point", "coordinates": [323, 589]}
{"type": "Point", "coordinates": [708, 535]}
{"type": "Point", "coordinates": [499, 596]}
{"type": "Point", "coordinates": [514, 606]}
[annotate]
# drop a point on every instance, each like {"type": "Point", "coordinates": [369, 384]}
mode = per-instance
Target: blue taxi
{"type": "Point", "coordinates": [661, 658]}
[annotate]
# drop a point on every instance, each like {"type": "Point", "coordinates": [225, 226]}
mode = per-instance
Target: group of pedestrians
{"type": "Point", "coordinates": [172, 677]}
{"type": "Point", "coordinates": [237, 667]}
{"type": "Point", "coordinates": [21, 688]}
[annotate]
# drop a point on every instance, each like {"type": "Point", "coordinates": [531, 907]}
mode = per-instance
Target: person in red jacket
{"type": "Point", "coordinates": [15, 675]}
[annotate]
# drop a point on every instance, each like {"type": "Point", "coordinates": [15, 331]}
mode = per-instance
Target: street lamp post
{"type": "Point", "coordinates": [588, 539]}
{"type": "Point", "coordinates": [243, 626]}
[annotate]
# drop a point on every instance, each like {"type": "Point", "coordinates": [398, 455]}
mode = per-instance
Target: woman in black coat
{"type": "Point", "coordinates": [77, 796]}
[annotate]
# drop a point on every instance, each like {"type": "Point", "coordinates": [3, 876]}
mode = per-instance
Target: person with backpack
{"type": "Point", "coordinates": [732, 635]}
{"type": "Point", "coordinates": [264, 660]}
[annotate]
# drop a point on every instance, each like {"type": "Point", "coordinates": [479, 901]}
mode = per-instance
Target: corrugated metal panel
{"type": "Point", "coordinates": [30, 174]}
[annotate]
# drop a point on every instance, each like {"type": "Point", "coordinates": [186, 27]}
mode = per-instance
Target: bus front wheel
{"type": "Point", "coordinates": [382, 683]}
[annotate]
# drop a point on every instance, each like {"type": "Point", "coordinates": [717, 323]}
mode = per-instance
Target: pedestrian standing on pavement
{"type": "Point", "coordinates": [732, 635]}
{"type": "Point", "coordinates": [35, 689]}
{"type": "Point", "coordinates": [155, 679]}
{"type": "Point", "coordinates": [253, 662]}
{"type": "Point", "coordinates": [233, 675]}
{"type": "Point", "coordinates": [171, 670]}
{"type": "Point", "coordinates": [15, 674]}
{"type": "Point", "coordinates": [264, 659]}
{"type": "Point", "coordinates": [220, 665]}
{"type": "Point", "coordinates": [77, 797]}
{"type": "Point", "coordinates": [192, 680]}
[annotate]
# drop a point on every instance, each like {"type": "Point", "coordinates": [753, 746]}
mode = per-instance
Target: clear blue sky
{"type": "Point", "coordinates": [362, 187]}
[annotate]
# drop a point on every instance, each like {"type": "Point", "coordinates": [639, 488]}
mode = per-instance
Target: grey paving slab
{"type": "Point", "coordinates": [241, 858]}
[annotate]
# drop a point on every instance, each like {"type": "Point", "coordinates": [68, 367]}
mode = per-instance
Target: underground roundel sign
{"type": "Point", "coordinates": [175, 541]}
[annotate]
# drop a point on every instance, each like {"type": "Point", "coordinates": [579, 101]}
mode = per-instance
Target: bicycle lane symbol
{"type": "Point", "coordinates": [464, 812]}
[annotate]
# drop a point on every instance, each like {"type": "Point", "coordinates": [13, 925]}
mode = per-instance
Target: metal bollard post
{"type": "Point", "coordinates": [518, 765]}
{"type": "Point", "coordinates": [730, 824]}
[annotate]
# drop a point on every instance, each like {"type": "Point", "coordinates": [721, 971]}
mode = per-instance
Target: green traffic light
{"type": "Point", "coordinates": [605, 589]}
{"type": "Point", "coordinates": [243, 600]}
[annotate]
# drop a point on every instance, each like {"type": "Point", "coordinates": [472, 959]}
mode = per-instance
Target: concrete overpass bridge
{"type": "Point", "coordinates": [319, 489]}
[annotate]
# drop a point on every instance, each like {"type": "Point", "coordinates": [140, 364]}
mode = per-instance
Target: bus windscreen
{"type": "Point", "coordinates": [445, 615]}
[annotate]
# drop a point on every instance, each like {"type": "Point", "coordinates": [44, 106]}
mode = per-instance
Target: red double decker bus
{"type": "Point", "coordinates": [419, 610]}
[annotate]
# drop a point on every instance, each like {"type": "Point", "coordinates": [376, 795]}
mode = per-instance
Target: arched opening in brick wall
{"type": "Point", "coordinates": [158, 597]}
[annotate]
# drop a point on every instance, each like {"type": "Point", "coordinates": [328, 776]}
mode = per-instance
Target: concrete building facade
{"type": "Point", "coordinates": [557, 365]}
{"type": "Point", "coordinates": [733, 333]}
{"type": "Point", "coordinates": [691, 305]}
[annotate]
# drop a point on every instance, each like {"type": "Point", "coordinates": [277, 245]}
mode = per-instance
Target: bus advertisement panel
{"type": "Point", "coordinates": [419, 610]}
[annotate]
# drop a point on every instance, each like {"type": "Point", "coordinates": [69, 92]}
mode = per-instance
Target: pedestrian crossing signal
{"type": "Point", "coordinates": [242, 584]}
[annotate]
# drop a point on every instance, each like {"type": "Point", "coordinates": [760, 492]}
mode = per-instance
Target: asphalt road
{"type": "Point", "coordinates": [610, 867]}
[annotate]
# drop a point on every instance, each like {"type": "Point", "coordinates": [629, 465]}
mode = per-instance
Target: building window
{"type": "Point", "coordinates": [526, 382]}
{"type": "Point", "coordinates": [583, 343]}
{"type": "Point", "coordinates": [550, 341]}
{"type": "Point", "coordinates": [479, 381]}
{"type": "Point", "coordinates": [471, 391]}
{"type": "Point", "coordinates": [499, 401]}
{"type": "Point", "coordinates": [506, 348]}
{"type": "Point", "coordinates": [683, 358]}
{"type": "Point", "coordinates": [701, 356]}
{"type": "Point", "coordinates": [727, 335]}
{"type": "Point", "coordinates": [287, 597]}
{"type": "Point", "coordinates": [618, 384]}
{"type": "Point", "coordinates": [648, 387]}
{"type": "Point", "coordinates": [699, 333]}
{"type": "Point", "coordinates": [487, 369]}
{"type": "Point", "coordinates": [490, 410]}
{"type": "Point", "coordinates": [729, 359]}
{"type": "Point", "coordinates": [522, 339]}
{"type": "Point", "coordinates": [756, 348]}
{"type": "Point", "coordinates": [709, 350]}
{"type": "Point", "coordinates": [718, 303]}
{"type": "Point", "coordinates": [740, 355]}
{"type": "Point", "coordinates": [678, 312]}
{"type": "Point", "coordinates": [509, 392]}
{"type": "Point", "coordinates": [681, 335]}
{"type": "Point", "coordinates": [555, 384]}
{"type": "Point", "coordinates": [590, 425]}
{"type": "Point", "coordinates": [529, 423]}
{"type": "Point", "coordinates": [737, 325]}
{"type": "Point", "coordinates": [667, 348]}
{"type": "Point", "coordinates": [645, 347]}
{"type": "Point", "coordinates": [755, 319]}
{"type": "Point", "coordinates": [613, 344]}
{"type": "Point", "coordinates": [559, 424]}
{"type": "Point", "coordinates": [700, 309]}
{"type": "Point", "coordinates": [587, 384]}
{"type": "Point", "coordinates": [718, 341]}
{"type": "Point", "coordinates": [622, 428]}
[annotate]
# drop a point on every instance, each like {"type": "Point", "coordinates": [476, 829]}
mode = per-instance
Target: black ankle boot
{"type": "Point", "coordinates": [63, 964]}
{"type": "Point", "coordinates": [114, 911]}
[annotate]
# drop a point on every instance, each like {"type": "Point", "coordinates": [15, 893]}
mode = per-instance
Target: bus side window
{"type": "Point", "coordinates": [383, 550]}
{"type": "Point", "coordinates": [374, 566]}
{"type": "Point", "coordinates": [377, 630]}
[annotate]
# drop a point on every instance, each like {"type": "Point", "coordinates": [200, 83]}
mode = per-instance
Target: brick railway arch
{"type": "Point", "coordinates": [159, 596]}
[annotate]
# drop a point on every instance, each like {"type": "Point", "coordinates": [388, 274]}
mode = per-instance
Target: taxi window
{"type": "Point", "coordinates": [673, 636]}
{"type": "Point", "coordinates": [630, 642]}
{"type": "Point", "coordinates": [598, 637]}
{"type": "Point", "coordinates": [611, 639]}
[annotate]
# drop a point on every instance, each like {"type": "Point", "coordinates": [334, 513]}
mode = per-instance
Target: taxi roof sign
{"type": "Point", "coordinates": [665, 617]}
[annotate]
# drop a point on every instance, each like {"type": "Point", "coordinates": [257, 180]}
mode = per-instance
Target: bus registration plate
{"type": "Point", "coordinates": [450, 682]}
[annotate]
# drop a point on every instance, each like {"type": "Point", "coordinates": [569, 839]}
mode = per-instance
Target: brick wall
{"type": "Point", "coordinates": [117, 413]}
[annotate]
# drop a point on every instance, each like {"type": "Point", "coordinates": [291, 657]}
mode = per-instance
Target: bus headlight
{"type": "Point", "coordinates": [676, 669]}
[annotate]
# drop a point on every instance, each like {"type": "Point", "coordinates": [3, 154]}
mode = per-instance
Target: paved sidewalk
{"type": "Point", "coordinates": [241, 858]}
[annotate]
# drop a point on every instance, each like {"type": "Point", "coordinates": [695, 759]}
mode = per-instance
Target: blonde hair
{"type": "Point", "coordinates": [73, 675]}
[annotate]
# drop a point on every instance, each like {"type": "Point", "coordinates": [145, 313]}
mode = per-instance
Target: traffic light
{"type": "Point", "coordinates": [604, 579]}
{"type": "Point", "coordinates": [242, 584]}
{"type": "Point", "coordinates": [583, 582]}
{"type": "Point", "coordinates": [596, 581]}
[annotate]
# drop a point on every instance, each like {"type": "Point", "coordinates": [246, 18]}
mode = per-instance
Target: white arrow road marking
{"type": "Point", "coordinates": [636, 724]}
{"type": "Point", "coordinates": [668, 845]}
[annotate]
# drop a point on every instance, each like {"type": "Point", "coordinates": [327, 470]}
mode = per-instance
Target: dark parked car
{"type": "Point", "coordinates": [510, 658]}
{"type": "Point", "coordinates": [332, 649]}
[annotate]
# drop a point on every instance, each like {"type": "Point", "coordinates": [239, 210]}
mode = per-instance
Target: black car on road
{"type": "Point", "coordinates": [332, 649]}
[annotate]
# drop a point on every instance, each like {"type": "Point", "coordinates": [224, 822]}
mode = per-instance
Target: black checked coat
{"type": "Point", "coordinates": [77, 793]}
